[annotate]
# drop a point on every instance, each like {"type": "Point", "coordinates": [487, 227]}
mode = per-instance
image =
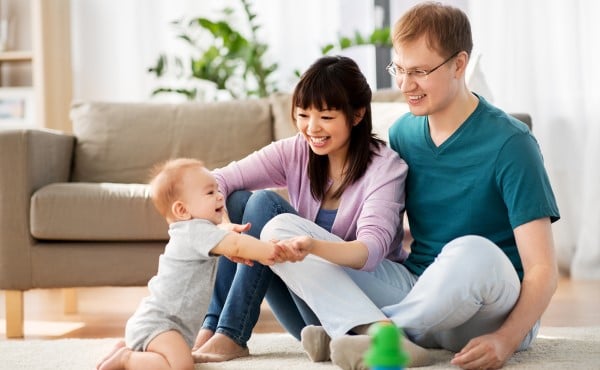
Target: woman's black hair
{"type": "Point", "coordinates": [336, 83]}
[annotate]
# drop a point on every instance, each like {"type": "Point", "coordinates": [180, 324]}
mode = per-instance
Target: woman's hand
{"type": "Point", "coordinates": [294, 249]}
{"type": "Point", "coordinates": [238, 229]}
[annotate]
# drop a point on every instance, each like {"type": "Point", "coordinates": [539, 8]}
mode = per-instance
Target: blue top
{"type": "Point", "coordinates": [486, 179]}
{"type": "Point", "coordinates": [325, 218]}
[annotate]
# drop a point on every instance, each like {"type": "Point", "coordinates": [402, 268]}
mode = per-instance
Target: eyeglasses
{"type": "Point", "coordinates": [418, 73]}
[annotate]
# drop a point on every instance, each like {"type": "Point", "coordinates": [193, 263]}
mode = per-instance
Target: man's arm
{"type": "Point", "coordinates": [536, 248]}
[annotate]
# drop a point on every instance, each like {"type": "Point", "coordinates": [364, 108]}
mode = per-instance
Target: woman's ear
{"type": "Point", "coordinates": [359, 115]}
{"type": "Point", "coordinates": [179, 211]}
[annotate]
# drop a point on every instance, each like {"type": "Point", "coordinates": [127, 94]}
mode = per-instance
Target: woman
{"type": "Point", "coordinates": [340, 178]}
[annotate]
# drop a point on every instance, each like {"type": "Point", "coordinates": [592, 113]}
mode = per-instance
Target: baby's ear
{"type": "Point", "coordinates": [179, 211]}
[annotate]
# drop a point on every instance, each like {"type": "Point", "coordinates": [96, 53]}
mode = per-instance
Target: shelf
{"type": "Point", "coordinates": [16, 56]}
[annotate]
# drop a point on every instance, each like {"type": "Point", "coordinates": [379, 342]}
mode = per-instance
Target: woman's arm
{"type": "Point", "coordinates": [351, 254]}
{"type": "Point", "coordinates": [379, 226]}
{"type": "Point", "coordinates": [262, 169]}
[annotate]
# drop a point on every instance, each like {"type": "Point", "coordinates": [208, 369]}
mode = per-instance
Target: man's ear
{"type": "Point", "coordinates": [179, 211]}
{"type": "Point", "coordinates": [462, 59]}
{"type": "Point", "coordinates": [358, 116]}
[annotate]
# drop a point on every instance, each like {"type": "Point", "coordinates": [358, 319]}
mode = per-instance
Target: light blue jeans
{"type": "Point", "coordinates": [468, 291]}
{"type": "Point", "coordinates": [239, 289]}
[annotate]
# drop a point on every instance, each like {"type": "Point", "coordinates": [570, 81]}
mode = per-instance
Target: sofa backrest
{"type": "Point", "coordinates": [121, 142]}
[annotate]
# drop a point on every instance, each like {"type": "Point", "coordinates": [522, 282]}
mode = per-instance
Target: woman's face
{"type": "Point", "coordinates": [326, 131]}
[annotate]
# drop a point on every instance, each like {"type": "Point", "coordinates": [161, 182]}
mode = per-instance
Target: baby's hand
{"type": "Point", "coordinates": [235, 227]}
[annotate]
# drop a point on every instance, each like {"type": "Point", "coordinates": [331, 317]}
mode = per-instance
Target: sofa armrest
{"type": "Point", "coordinates": [29, 159]}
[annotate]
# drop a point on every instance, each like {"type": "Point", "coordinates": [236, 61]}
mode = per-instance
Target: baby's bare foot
{"type": "Point", "coordinates": [203, 336]}
{"type": "Point", "coordinates": [219, 348]}
{"type": "Point", "coordinates": [116, 359]}
{"type": "Point", "coordinates": [115, 348]}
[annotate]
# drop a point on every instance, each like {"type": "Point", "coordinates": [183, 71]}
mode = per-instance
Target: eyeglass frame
{"type": "Point", "coordinates": [419, 72]}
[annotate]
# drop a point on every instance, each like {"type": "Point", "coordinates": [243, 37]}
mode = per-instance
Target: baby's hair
{"type": "Point", "coordinates": [165, 179]}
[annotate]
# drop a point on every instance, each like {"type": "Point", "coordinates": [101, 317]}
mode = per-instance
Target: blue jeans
{"type": "Point", "coordinates": [239, 289]}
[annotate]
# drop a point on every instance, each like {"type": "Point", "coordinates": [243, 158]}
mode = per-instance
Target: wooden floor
{"type": "Point", "coordinates": [102, 312]}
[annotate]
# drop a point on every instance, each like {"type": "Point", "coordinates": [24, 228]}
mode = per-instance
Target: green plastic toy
{"type": "Point", "coordinates": [386, 351]}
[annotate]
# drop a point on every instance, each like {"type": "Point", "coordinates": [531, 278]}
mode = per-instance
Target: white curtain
{"type": "Point", "coordinates": [115, 41]}
{"type": "Point", "coordinates": [543, 57]}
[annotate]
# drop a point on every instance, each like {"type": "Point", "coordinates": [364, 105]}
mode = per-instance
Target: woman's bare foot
{"type": "Point", "coordinates": [116, 358]}
{"type": "Point", "coordinates": [203, 336]}
{"type": "Point", "coordinates": [219, 348]}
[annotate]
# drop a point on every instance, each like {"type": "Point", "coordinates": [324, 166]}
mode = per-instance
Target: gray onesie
{"type": "Point", "coordinates": [181, 290]}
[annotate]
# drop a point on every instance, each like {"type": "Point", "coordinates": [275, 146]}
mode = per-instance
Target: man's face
{"type": "Point", "coordinates": [426, 78]}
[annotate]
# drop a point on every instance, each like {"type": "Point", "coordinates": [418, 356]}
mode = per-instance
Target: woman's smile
{"type": "Point", "coordinates": [318, 141]}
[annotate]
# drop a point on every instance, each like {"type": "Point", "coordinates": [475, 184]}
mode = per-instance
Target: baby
{"type": "Point", "coordinates": [161, 332]}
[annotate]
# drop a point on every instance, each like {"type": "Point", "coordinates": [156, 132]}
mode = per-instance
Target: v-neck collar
{"type": "Point", "coordinates": [438, 150]}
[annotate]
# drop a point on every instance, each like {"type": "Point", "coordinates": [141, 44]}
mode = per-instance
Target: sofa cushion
{"type": "Point", "coordinates": [388, 95]}
{"type": "Point", "coordinates": [281, 108]}
{"type": "Point", "coordinates": [121, 142]}
{"type": "Point", "coordinates": [95, 211]}
{"type": "Point", "coordinates": [384, 115]}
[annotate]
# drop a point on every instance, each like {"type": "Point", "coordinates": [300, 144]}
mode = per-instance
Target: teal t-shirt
{"type": "Point", "coordinates": [486, 179]}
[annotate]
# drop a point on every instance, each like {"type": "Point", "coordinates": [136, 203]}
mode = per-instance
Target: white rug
{"type": "Point", "coordinates": [556, 348]}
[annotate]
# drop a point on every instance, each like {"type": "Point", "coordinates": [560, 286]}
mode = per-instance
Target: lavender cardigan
{"type": "Point", "coordinates": [371, 210]}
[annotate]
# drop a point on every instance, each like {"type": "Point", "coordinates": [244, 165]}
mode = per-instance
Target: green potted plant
{"type": "Point", "coordinates": [233, 62]}
{"type": "Point", "coordinates": [380, 38]}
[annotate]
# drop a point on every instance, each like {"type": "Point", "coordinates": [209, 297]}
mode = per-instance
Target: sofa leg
{"type": "Point", "coordinates": [14, 313]}
{"type": "Point", "coordinates": [69, 300]}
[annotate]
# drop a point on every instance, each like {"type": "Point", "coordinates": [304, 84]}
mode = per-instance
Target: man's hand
{"type": "Point", "coordinates": [488, 351]}
{"type": "Point", "coordinates": [238, 229]}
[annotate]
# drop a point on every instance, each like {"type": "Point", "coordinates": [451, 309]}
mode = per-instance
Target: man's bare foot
{"type": "Point", "coordinates": [203, 336]}
{"type": "Point", "coordinates": [116, 358]}
{"type": "Point", "coordinates": [219, 348]}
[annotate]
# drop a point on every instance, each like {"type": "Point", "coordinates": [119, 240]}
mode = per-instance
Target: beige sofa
{"type": "Point", "coordinates": [74, 210]}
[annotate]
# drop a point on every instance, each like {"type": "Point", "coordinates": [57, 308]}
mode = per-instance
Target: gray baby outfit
{"type": "Point", "coordinates": [181, 290]}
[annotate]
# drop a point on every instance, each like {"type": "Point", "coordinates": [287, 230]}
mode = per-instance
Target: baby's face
{"type": "Point", "coordinates": [201, 195]}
